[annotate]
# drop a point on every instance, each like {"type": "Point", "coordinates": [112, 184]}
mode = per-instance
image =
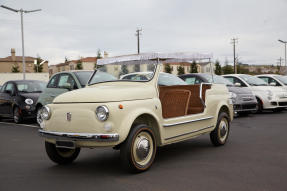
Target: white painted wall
{"type": "Point", "coordinates": [4, 77]}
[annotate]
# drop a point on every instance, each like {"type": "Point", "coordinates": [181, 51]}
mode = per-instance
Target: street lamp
{"type": "Point", "coordinates": [22, 32]}
{"type": "Point", "coordinates": [285, 42]}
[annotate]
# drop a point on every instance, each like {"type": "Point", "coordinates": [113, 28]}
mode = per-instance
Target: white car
{"type": "Point", "coordinates": [268, 97]}
{"type": "Point", "coordinates": [274, 80]}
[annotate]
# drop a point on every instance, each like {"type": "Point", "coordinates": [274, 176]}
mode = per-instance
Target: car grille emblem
{"type": "Point", "coordinates": [69, 116]}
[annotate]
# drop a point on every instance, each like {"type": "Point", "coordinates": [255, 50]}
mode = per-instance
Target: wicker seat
{"type": "Point", "coordinates": [194, 104]}
{"type": "Point", "coordinates": [175, 103]}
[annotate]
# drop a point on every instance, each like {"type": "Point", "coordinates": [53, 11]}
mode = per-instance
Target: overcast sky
{"type": "Point", "coordinates": [74, 28]}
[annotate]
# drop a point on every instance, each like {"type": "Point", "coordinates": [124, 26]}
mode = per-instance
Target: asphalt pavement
{"type": "Point", "coordinates": [255, 158]}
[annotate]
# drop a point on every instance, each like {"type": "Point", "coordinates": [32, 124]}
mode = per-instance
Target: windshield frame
{"type": "Point", "coordinates": [156, 63]}
{"type": "Point", "coordinates": [76, 73]}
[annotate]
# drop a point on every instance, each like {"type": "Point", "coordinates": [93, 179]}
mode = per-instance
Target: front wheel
{"type": "Point", "coordinates": [17, 115]}
{"type": "Point", "coordinates": [39, 116]}
{"type": "Point", "coordinates": [139, 149]}
{"type": "Point", "coordinates": [61, 155]}
{"type": "Point", "coordinates": [220, 134]}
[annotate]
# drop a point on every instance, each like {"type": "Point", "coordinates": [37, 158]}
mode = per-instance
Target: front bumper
{"type": "Point", "coordinates": [80, 136]}
{"type": "Point", "coordinates": [245, 107]}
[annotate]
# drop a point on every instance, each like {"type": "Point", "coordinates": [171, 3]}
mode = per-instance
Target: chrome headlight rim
{"type": "Point", "coordinates": [46, 113]}
{"type": "Point", "coordinates": [29, 101]}
{"type": "Point", "coordinates": [104, 109]}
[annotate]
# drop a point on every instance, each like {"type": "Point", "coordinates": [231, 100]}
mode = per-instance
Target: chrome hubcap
{"type": "Point", "coordinates": [143, 148]}
{"type": "Point", "coordinates": [223, 130]}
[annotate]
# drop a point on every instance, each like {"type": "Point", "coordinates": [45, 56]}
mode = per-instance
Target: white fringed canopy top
{"type": "Point", "coordinates": [164, 57]}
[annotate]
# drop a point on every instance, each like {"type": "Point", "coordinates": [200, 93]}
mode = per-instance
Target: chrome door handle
{"type": "Point", "coordinates": [53, 95]}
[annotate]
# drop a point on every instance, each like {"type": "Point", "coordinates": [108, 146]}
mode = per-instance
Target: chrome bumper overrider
{"type": "Point", "coordinates": [80, 136]}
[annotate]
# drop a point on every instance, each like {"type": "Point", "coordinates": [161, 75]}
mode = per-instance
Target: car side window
{"type": "Point", "coordinates": [235, 80]}
{"type": "Point", "coordinates": [230, 79]}
{"type": "Point", "coordinates": [271, 80]}
{"type": "Point", "coordinates": [198, 80]}
{"type": "Point", "coordinates": [10, 87]}
{"type": "Point", "coordinates": [190, 80]}
{"type": "Point", "coordinates": [66, 78]}
{"type": "Point", "coordinates": [53, 82]}
{"type": "Point", "coordinates": [265, 79]}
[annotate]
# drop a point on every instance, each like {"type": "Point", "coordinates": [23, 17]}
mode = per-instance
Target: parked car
{"type": "Point", "coordinates": [164, 79]}
{"type": "Point", "coordinates": [243, 99]}
{"type": "Point", "coordinates": [18, 99]}
{"type": "Point", "coordinates": [274, 80]}
{"type": "Point", "coordinates": [135, 116]}
{"type": "Point", "coordinates": [268, 97]}
{"type": "Point", "coordinates": [60, 83]}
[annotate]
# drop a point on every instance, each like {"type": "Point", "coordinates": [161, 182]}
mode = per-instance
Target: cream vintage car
{"type": "Point", "coordinates": [134, 114]}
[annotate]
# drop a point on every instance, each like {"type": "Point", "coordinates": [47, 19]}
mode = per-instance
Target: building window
{"type": "Point", "coordinates": [72, 67]}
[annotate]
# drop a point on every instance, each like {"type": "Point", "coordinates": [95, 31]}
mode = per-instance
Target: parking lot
{"type": "Point", "coordinates": [254, 158]}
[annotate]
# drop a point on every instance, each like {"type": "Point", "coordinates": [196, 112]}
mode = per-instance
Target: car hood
{"type": "Point", "coordinates": [265, 88]}
{"type": "Point", "coordinates": [33, 96]}
{"type": "Point", "coordinates": [240, 90]}
{"type": "Point", "coordinates": [108, 93]}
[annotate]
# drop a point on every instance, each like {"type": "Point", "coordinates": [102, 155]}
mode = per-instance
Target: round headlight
{"type": "Point", "coordinates": [46, 113]}
{"type": "Point", "coordinates": [29, 101]}
{"type": "Point", "coordinates": [102, 113]}
{"type": "Point", "coordinates": [232, 95]}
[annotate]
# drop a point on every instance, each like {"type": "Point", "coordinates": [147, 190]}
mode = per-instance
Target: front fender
{"type": "Point", "coordinates": [151, 107]}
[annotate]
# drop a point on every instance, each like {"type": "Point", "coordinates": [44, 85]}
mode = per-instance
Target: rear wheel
{"type": "Point", "coordinates": [139, 149]}
{"type": "Point", "coordinates": [17, 117]}
{"type": "Point", "coordinates": [220, 134]}
{"type": "Point", "coordinates": [61, 155]}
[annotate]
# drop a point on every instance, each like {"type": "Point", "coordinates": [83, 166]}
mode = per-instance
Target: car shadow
{"type": "Point", "coordinates": [108, 162]}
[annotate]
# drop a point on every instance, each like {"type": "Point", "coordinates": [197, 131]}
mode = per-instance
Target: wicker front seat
{"type": "Point", "coordinates": [175, 103]}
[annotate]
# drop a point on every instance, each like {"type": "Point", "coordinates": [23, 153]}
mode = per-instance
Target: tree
{"type": "Point", "coordinates": [15, 69]}
{"type": "Point", "coordinates": [137, 67]}
{"type": "Point", "coordinates": [79, 65]}
{"type": "Point", "coordinates": [124, 69]}
{"type": "Point", "coordinates": [193, 67]}
{"type": "Point", "coordinates": [167, 68]}
{"type": "Point", "coordinates": [180, 70]}
{"type": "Point", "coordinates": [66, 59]}
{"type": "Point", "coordinates": [99, 54]}
{"type": "Point", "coordinates": [218, 69]}
{"type": "Point", "coordinates": [37, 67]}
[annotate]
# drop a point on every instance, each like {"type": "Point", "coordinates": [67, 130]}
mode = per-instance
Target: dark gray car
{"type": "Point", "coordinates": [242, 97]}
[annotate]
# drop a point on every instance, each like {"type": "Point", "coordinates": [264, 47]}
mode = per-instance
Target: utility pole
{"type": "Point", "coordinates": [284, 42]}
{"type": "Point", "coordinates": [234, 41]}
{"type": "Point", "coordinates": [22, 33]}
{"type": "Point", "coordinates": [138, 33]}
{"type": "Point", "coordinates": [280, 64]}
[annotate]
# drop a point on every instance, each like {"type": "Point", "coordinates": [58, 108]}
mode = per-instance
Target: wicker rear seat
{"type": "Point", "coordinates": [173, 97]}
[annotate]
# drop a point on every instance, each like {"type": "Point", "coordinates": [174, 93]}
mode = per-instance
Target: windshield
{"type": "Point", "coordinates": [217, 79]}
{"type": "Point", "coordinates": [139, 71]}
{"type": "Point", "coordinates": [282, 79]}
{"type": "Point", "coordinates": [30, 86]}
{"type": "Point", "coordinates": [253, 81]}
{"type": "Point", "coordinates": [83, 77]}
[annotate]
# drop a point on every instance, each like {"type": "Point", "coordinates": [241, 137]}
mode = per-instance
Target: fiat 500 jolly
{"type": "Point", "coordinates": [135, 114]}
